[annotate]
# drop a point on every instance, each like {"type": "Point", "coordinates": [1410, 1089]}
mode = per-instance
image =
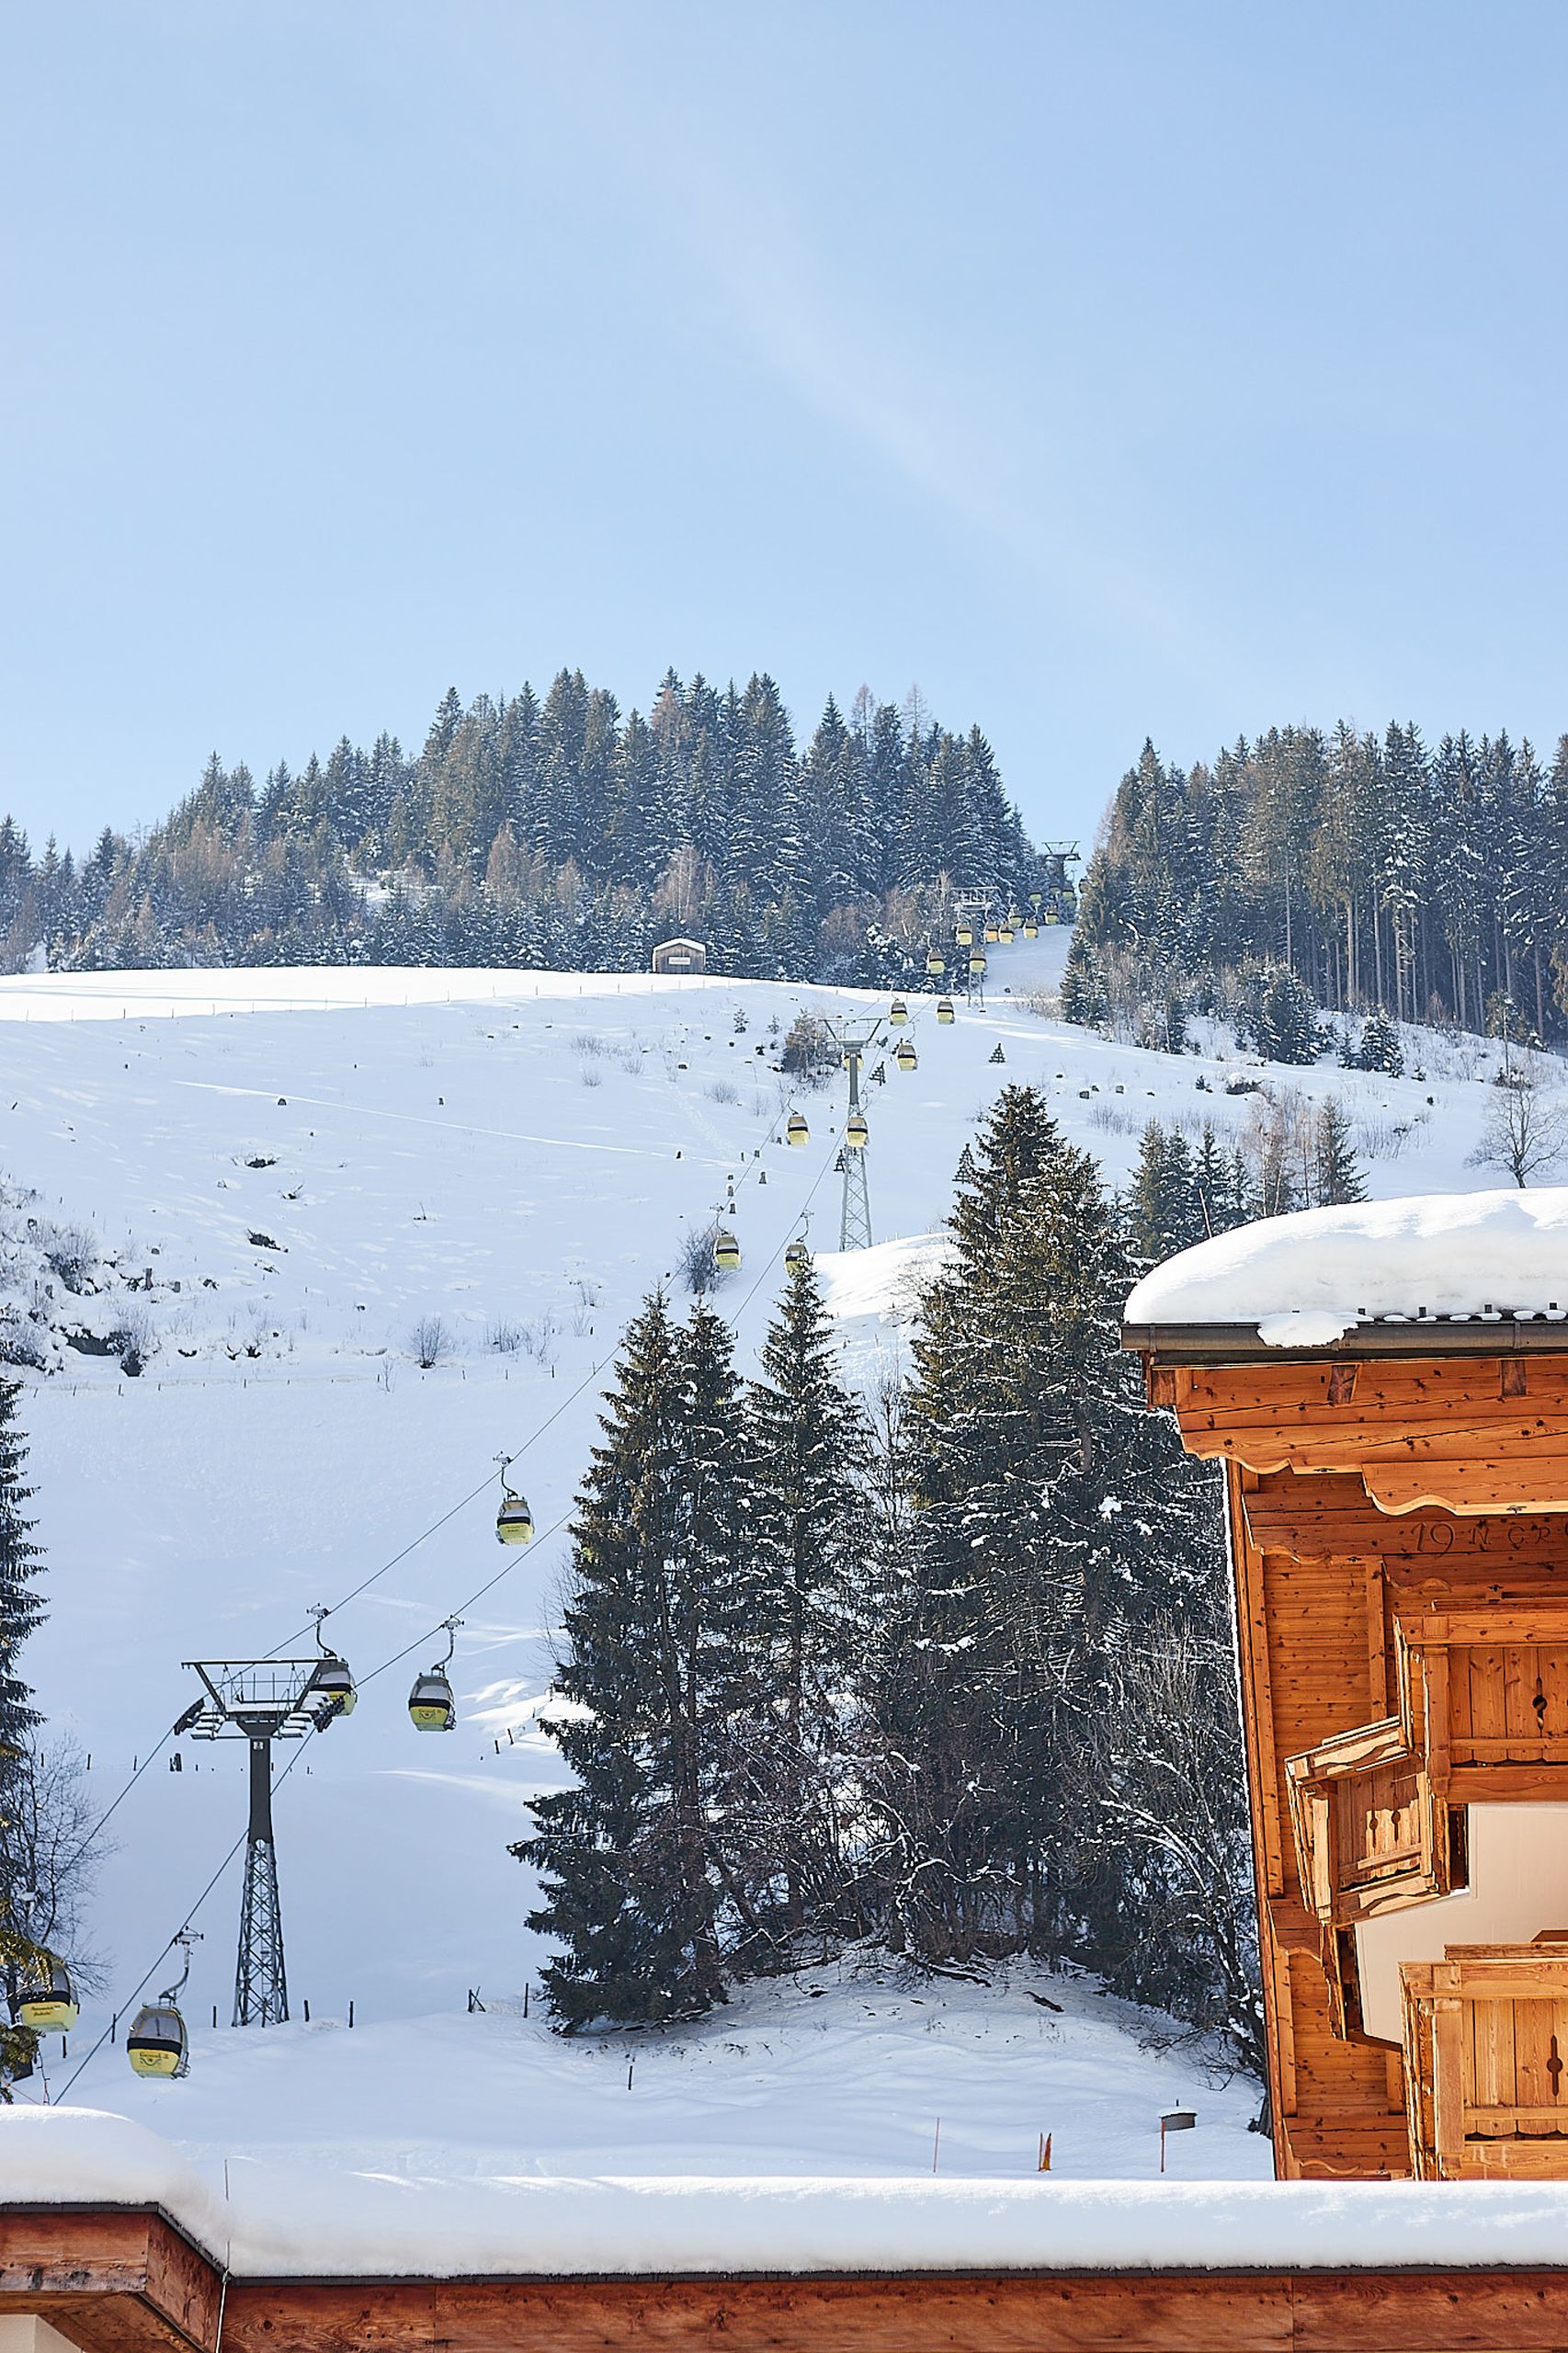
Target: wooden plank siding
{"type": "Point", "coordinates": [1399, 1539]}
{"type": "Point", "coordinates": [1307, 1672]}
{"type": "Point", "coordinates": [113, 2279]}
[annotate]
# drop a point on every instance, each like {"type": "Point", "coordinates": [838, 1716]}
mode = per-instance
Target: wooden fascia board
{"type": "Point", "coordinates": [1124, 2312]}
{"type": "Point", "coordinates": [86, 2264]}
{"type": "Point", "coordinates": [1238, 1344]}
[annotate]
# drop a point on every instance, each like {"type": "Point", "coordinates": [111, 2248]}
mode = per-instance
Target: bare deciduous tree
{"type": "Point", "coordinates": [48, 1853]}
{"type": "Point", "coordinates": [1525, 1131]}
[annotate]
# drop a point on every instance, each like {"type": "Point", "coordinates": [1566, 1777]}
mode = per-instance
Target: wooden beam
{"type": "Point", "coordinates": [1437, 2311]}
{"type": "Point", "coordinates": [93, 2276]}
{"type": "Point", "coordinates": [1329, 1515]}
{"type": "Point", "coordinates": [108, 2278]}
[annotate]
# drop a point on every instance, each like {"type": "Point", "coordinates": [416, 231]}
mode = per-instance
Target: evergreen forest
{"type": "Point", "coordinates": [1376, 874]}
{"type": "Point", "coordinates": [557, 833]}
{"type": "Point", "coordinates": [948, 1673]}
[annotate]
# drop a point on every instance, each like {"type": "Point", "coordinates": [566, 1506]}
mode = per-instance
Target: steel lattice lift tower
{"type": "Point", "coordinates": [261, 1700]}
{"type": "Point", "coordinates": [855, 1217]}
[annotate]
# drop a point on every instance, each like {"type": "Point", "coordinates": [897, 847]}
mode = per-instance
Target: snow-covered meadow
{"type": "Point", "coordinates": [295, 1183]}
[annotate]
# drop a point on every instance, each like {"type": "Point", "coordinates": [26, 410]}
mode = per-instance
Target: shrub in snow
{"type": "Point", "coordinates": [70, 1252]}
{"type": "Point", "coordinates": [429, 1341]}
{"type": "Point", "coordinates": [132, 1340]}
{"type": "Point", "coordinates": [22, 1340]}
{"type": "Point", "coordinates": [695, 1261]}
{"type": "Point", "coordinates": [811, 1050]}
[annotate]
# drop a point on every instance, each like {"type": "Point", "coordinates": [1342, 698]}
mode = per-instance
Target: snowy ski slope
{"type": "Point", "coordinates": [309, 1165]}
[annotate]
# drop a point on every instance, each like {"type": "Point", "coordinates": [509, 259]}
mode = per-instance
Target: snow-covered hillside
{"type": "Point", "coordinates": [283, 1178]}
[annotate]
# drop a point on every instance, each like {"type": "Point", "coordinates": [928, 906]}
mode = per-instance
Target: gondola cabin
{"type": "Point", "coordinates": [431, 1706]}
{"type": "Point", "coordinates": [45, 1998]}
{"type": "Point", "coordinates": [856, 1134]}
{"type": "Point", "coordinates": [945, 1012]}
{"type": "Point", "coordinates": [513, 1519]}
{"type": "Point", "coordinates": [898, 1012]}
{"type": "Point", "coordinates": [156, 2045]}
{"type": "Point", "coordinates": [905, 1056]}
{"type": "Point", "coordinates": [796, 1130]}
{"type": "Point", "coordinates": [1386, 1389]}
{"type": "Point", "coordinates": [332, 1681]}
{"type": "Point", "coordinates": [935, 964]}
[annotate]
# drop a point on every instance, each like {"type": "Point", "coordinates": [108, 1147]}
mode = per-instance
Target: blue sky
{"type": "Point", "coordinates": [1109, 370]}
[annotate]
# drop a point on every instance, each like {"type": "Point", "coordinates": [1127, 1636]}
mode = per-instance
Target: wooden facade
{"type": "Point", "coordinates": [119, 2279]}
{"type": "Point", "coordinates": [1399, 1534]}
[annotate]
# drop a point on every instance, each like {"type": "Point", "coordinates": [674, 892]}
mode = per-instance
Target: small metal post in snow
{"type": "Point", "coordinates": [1175, 2119]}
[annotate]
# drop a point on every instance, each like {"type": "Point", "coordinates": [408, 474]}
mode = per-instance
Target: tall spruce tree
{"type": "Point", "coordinates": [1164, 1212]}
{"type": "Point", "coordinates": [1338, 1179]}
{"type": "Point", "coordinates": [808, 1441]}
{"type": "Point", "coordinates": [1084, 997]}
{"type": "Point", "coordinates": [21, 1608]}
{"type": "Point", "coordinates": [637, 1880]}
{"type": "Point", "coordinates": [1058, 1518]}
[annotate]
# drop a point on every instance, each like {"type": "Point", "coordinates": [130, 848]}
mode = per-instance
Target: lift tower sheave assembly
{"type": "Point", "coordinates": [260, 1700]}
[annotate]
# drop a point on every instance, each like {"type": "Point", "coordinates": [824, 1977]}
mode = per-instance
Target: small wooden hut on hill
{"type": "Point", "coordinates": [1387, 1388]}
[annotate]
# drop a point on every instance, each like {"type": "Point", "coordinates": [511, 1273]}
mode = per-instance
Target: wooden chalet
{"type": "Point", "coordinates": [1398, 1510]}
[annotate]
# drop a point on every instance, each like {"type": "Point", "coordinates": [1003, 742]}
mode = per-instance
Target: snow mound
{"type": "Point", "coordinates": [1306, 1281]}
{"type": "Point", "coordinates": [884, 1280]}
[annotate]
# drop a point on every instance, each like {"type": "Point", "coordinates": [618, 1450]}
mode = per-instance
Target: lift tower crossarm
{"type": "Point", "coordinates": [261, 1700]}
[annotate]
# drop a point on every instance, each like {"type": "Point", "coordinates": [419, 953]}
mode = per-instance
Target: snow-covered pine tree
{"type": "Point", "coordinates": [1164, 1212]}
{"type": "Point", "coordinates": [1084, 997]}
{"type": "Point", "coordinates": [656, 1672]}
{"type": "Point", "coordinates": [1379, 1048]}
{"type": "Point", "coordinates": [1336, 1172]}
{"type": "Point", "coordinates": [21, 1610]}
{"type": "Point", "coordinates": [1057, 1519]}
{"type": "Point", "coordinates": [808, 1441]}
{"type": "Point", "coordinates": [1283, 1024]}
{"type": "Point", "coordinates": [1220, 1186]}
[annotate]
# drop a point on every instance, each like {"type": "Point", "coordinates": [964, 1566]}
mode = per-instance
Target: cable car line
{"type": "Point", "coordinates": [315, 1624]}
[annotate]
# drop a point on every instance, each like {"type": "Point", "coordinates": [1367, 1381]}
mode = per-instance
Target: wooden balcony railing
{"type": "Point", "coordinates": [1370, 1834]}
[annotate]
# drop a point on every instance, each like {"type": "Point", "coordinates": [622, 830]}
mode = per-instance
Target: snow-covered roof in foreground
{"type": "Point", "coordinates": [284, 2222]}
{"type": "Point", "coordinates": [1306, 1281]}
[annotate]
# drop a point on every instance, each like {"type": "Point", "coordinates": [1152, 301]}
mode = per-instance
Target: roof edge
{"type": "Point", "coordinates": [1424, 1337]}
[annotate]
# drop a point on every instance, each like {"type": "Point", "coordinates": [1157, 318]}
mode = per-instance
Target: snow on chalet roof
{"type": "Point", "coordinates": [287, 2220]}
{"type": "Point", "coordinates": [1304, 1281]}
